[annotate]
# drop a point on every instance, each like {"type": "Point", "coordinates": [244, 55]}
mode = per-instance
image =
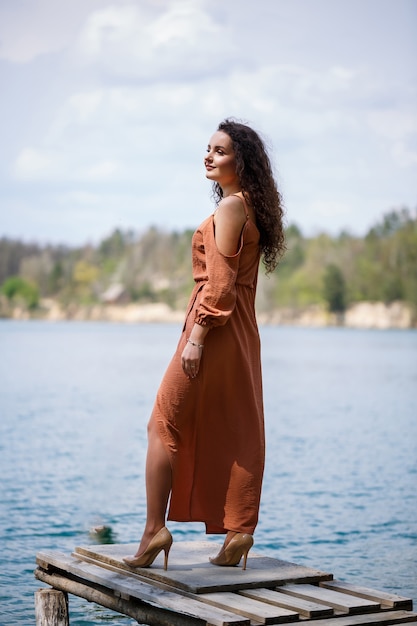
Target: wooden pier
{"type": "Point", "coordinates": [193, 592]}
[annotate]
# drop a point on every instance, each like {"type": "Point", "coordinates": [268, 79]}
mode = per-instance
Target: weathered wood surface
{"type": "Point", "coordinates": [304, 608]}
{"type": "Point", "coordinates": [51, 608]}
{"type": "Point", "coordinates": [390, 600]}
{"type": "Point", "coordinates": [128, 587]}
{"type": "Point", "coordinates": [341, 601]}
{"type": "Point", "coordinates": [253, 609]}
{"type": "Point", "coordinates": [141, 612]}
{"type": "Point", "coordinates": [158, 601]}
{"type": "Point", "coordinates": [189, 568]}
{"type": "Point", "coordinates": [381, 618]}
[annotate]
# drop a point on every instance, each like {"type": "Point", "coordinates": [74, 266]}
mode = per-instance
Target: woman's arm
{"type": "Point", "coordinates": [229, 221]}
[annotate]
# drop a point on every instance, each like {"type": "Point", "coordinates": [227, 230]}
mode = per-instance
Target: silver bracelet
{"type": "Point", "coordinates": [193, 343]}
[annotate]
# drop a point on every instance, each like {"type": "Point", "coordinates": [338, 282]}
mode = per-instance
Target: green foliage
{"type": "Point", "coordinates": [56, 277]}
{"type": "Point", "coordinates": [295, 253]}
{"type": "Point", "coordinates": [84, 273]}
{"type": "Point", "coordinates": [334, 289]}
{"type": "Point", "coordinates": [391, 223]}
{"type": "Point", "coordinates": [386, 268]}
{"type": "Point", "coordinates": [143, 293]}
{"type": "Point", "coordinates": [156, 266]}
{"type": "Point", "coordinates": [20, 291]}
{"type": "Point", "coordinates": [115, 245]}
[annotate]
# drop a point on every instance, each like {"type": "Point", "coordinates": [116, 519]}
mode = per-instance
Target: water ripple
{"type": "Point", "coordinates": [339, 491]}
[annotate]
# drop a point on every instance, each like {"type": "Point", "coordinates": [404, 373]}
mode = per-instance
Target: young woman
{"type": "Point", "coordinates": [206, 433]}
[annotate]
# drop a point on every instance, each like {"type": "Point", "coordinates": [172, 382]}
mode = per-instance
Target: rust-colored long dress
{"type": "Point", "coordinates": [213, 425]}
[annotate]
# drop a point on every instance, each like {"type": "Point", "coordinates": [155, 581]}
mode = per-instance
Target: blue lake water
{"type": "Point", "coordinates": [340, 488]}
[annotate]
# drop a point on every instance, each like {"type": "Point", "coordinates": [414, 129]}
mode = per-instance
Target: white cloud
{"type": "Point", "coordinates": [31, 28]}
{"type": "Point", "coordinates": [125, 133]}
{"type": "Point", "coordinates": [85, 104]}
{"type": "Point", "coordinates": [33, 164]}
{"type": "Point", "coordinates": [392, 125]}
{"type": "Point", "coordinates": [108, 29]}
{"type": "Point", "coordinates": [84, 198]}
{"type": "Point", "coordinates": [103, 170]}
{"type": "Point", "coordinates": [132, 41]}
{"type": "Point", "coordinates": [325, 210]}
{"type": "Point", "coordinates": [123, 106]}
{"type": "Point", "coordinates": [185, 21]}
{"type": "Point", "coordinates": [404, 155]}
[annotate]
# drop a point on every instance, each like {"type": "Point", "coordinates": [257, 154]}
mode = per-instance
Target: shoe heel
{"type": "Point", "coordinates": [167, 547]}
{"type": "Point", "coordinates": [245, 558]}
{"type": "Point", "coordinates": [166, 554]}
{"type": "Point", "coordinates": [248, 540]}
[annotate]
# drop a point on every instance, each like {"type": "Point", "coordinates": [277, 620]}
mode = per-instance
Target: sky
{"type": "Point", "coordinates": [107, 107]}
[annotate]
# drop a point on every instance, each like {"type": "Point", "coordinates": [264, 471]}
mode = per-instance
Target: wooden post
{"type": "Point", "coordinates": [51, 607]}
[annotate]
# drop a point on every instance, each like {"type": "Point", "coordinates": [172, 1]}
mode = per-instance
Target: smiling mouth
{"type": "Point", "coordinates": [209, 167]}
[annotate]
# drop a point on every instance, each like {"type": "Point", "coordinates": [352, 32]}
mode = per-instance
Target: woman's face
{"type": "Point", "coordinates": [220, 160]}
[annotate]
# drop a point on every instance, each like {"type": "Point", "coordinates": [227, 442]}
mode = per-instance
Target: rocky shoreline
{"type": "Point", "coordinates": [361, 315]}
{"type": "Point", "coordinates": [375, 315]}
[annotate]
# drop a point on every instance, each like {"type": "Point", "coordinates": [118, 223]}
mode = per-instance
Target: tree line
{"type": "Point", "coordinates": [155, 266]}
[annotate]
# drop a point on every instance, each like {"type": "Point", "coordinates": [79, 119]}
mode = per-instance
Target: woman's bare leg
{"type": "Point", "coordinates": [158, 486]}
{"type": "Point", "coordinates": [229, 536]}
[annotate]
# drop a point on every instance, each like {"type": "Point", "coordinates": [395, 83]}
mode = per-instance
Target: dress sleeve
{"type": "Point", "coordinates": [218, 296]}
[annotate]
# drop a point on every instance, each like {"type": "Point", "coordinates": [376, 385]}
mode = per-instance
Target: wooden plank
{"type": "Point", "coordinates": [261, 612]}
{"type": "Point", "coordinates": [141, 612]}
{"type": "Point", "coordinates": [134, 588]}
{"type": "Point", "coordinates": [56, 563]}
{"type": "Point", "coordinates": [390, 600]}
{"type": "Point", "coordinates": [131, 574]}
{"type": "Point", "coordinates": [167, 604]}
{"type": "Point", "coordinates": [189, 568]}
{"type": "Point", "coordinates": [381, 618]}
{"type": "Point", "coordinates": [340, 601]}
{"type": "Point", "coordinates": [291, 603]}
{"type": "Point", "coordinates": [286, 615]}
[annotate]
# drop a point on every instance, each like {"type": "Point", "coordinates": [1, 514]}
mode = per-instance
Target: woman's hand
{"type": "Point", "coordinates": [193, 351]}
{"type": "Point", "coordinates": [190, 359]}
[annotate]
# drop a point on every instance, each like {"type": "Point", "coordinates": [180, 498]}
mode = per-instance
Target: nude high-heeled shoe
{"type": "Point", "coordinates": [161, 541]}
{"type": "Point", "coordinates": [238, 546]}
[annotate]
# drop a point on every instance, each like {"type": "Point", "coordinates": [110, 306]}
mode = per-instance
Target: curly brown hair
{"type": "Point", "coordinates": [254, 169]}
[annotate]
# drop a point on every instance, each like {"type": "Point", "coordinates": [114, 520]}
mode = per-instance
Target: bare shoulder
{"type": "Point", "coordinates": [229, 220]}
{"type": "Point", "coordinates": [231, 209]}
